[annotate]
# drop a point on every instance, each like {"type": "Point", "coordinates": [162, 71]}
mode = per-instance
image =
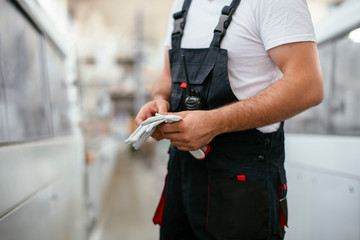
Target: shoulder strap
{"type": "Point", "coordinates": [224, 22]}
{"type": "Point", "coordinates": [179, 24]}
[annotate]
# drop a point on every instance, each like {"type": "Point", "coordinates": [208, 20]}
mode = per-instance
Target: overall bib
{"type": "Point", "coordinates": [239, 190]}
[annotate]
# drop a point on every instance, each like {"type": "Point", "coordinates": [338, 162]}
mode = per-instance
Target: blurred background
{"type": "Point", "coordinates": [74, 73]}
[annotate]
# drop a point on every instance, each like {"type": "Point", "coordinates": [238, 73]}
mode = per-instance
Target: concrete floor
{"type": "Point", "coordinates": [134, 195]}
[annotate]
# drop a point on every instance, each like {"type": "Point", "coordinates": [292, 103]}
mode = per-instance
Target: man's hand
{"type": "Point", "coordinates": [148, 110]}
{"type": "Point", "coordinates": [160, 96]}
{"type": "Point", "coordinates": [196, 129]}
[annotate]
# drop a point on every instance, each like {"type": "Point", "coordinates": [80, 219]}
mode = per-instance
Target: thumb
{"type": "Point", "coordinates": [181, 114]}
{"type": "Point", "coordinates": [163, 107]}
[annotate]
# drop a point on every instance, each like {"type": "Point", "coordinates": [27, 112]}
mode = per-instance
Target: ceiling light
{"type": "Point", "coordinates": [355, 35]}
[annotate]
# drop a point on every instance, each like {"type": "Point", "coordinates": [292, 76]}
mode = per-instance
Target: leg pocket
{"type": "Point", "coordinates": [237, 209]}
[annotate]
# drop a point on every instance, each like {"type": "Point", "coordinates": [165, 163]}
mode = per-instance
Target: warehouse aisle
{"type": "Point", "coordinates": [135, 192]}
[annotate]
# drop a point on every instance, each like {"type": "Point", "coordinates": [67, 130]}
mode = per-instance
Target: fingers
{"type": "Point", "coordinates": [142, 116]}
{"type": "Point", "coordinates": [186, 146]}
{"type": "Point", "coordinates": [157, 135]}
{"type": "Point", "coordinates": [182, 140]}
{"type": "Point", "coordinates": [163, 107]}
{"type": "Point", "coordinates": [182, 114]}
{"type": "Point", "coordinates": [149, 110]}
{"type": "Point", "coordinates": [169, 128]}
{"type": "Point", "coordinates": [145, 112]}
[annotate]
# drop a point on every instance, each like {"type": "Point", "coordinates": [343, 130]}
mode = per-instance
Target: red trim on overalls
{"type": "Point", "coordinates": [282, 218]}
{"type": "Point", "coordinates": [283, 222]}
{"type": "Point", "coordinates": [241, 177]}
{"type": "Point", "coordinates": [158, 216]}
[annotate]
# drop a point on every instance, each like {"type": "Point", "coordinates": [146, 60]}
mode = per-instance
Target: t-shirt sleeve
{"type": "Point", "coordinates": [177, 5]}
{"type": "Point", "coordinates": [284, 21]}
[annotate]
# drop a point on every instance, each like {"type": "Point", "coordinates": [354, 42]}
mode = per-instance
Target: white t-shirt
{"type": "Point", "coordinates": [257, 26]}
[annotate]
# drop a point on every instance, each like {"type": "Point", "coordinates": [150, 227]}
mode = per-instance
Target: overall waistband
{"type": "Point", "coordinates": [249, 138]}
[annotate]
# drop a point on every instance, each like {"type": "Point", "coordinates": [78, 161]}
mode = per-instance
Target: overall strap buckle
{"type": "Point", "coordinates": [179, 22]}
{"type": "Point", "coordinates": [225, 19]}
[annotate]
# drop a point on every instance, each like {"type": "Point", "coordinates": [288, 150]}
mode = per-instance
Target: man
{"type": "Point", "coordinates": [259, 67]}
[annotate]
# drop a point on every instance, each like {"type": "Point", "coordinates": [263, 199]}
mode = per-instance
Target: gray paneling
{"type": "Point", "coordinates": [322, 206]}
{"type": "Point", "coordinates": [339, 21]}
{"type": "Point", "coordinates": [345, 109]}
{"type": "Point", "coordinates": [42, 21]}
{"type": "Point", "coordinates": [98, 174]}
{"type": "Point", "coordinates": [25, 168]}
{"type": "Point", "coordinates": [58, 91]}
{"type": "Point", "coordinates": [23, 73]}
{"type": "Point", "coordinates": [331, 153]}
{"type": "Point", "coordinates": [323, 186]}
{"type": "Point", "coordinates": [3, 132]}
{"type": "Point", "coordinates": [55, 213]}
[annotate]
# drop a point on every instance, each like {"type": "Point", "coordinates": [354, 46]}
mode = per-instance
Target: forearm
{"type": "Point", "coordinates": [161, 89]}
{"type": "Point", "coordinates": [282, 100]}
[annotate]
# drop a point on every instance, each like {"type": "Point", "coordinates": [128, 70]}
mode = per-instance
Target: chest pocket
{"type": "Point", "coordinates": [199, 77]}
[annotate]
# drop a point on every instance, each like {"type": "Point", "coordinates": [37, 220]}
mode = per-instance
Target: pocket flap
{"type": "Point", "coordinates": [197, 73]}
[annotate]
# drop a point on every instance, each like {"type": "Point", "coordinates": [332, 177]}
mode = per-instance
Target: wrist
{"type": "Point", "coordinates": [217, 121]}
{"type": "Point", "coordinates": [160, 96]}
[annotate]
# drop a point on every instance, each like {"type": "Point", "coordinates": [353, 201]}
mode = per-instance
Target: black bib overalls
{"type": "Point", "coordinates": [239, 190]}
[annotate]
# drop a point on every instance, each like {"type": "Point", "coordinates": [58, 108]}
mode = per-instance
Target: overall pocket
{"type": "Point", "coordinates": [237, 209]}
{"type": "Point", "coordinates": [199, 78]}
